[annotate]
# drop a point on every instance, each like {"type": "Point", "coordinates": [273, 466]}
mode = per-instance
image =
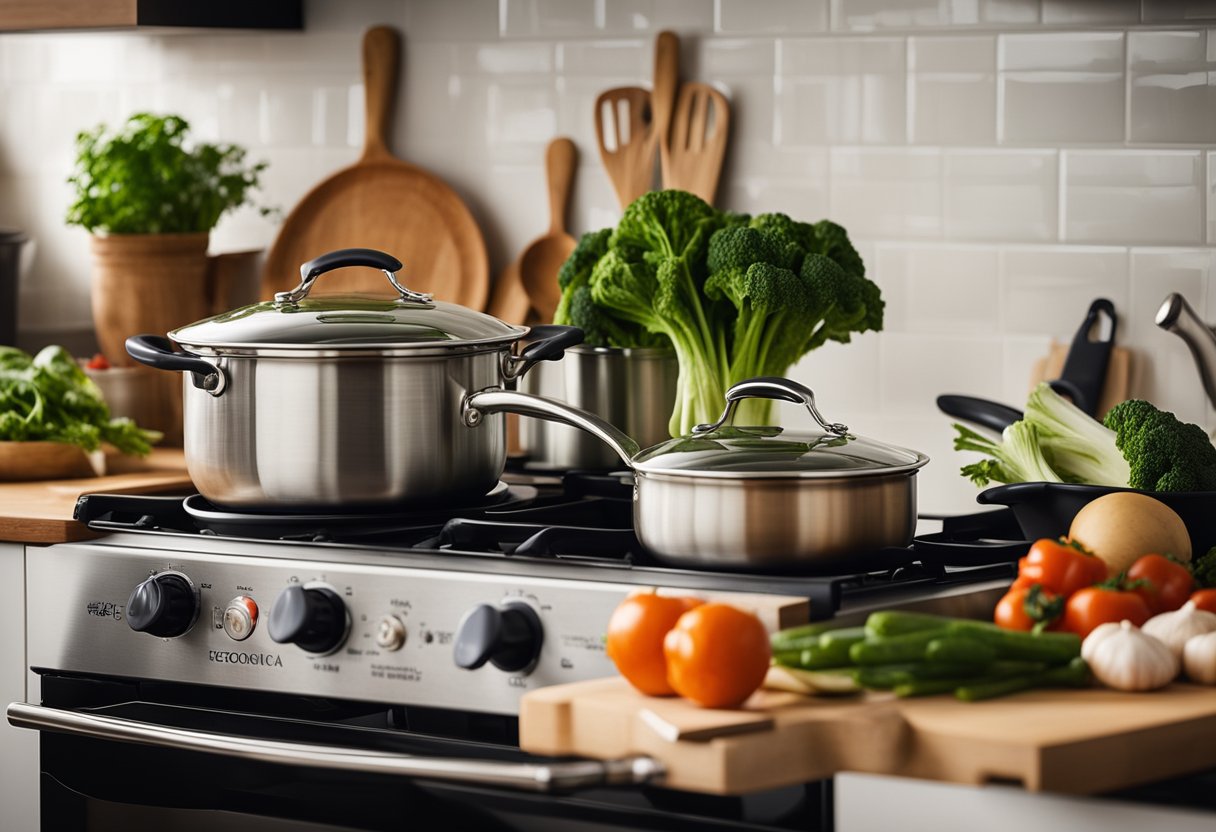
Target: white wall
{"type": "Point", "coordinates": [1000, 162]}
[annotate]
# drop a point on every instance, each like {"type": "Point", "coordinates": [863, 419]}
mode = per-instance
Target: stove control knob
{"type": "Point", "coordinates": [312, 618]}
{"type": "Point", "coordinates": [164, 605]}
{"type": "Point", "coordinates": [390, 633]}
{"type": "Point", "coordinates": [507, 636]}
{"type": "Point", "coordinates": [240, 617]}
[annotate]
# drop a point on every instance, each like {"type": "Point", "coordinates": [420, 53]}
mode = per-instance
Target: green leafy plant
{"type": "Point", "coordinates": [142, 179]}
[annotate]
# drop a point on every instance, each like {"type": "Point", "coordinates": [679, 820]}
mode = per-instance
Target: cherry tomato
{"type": "Point", "coordinates": [635, 639]}
{"type": "Point", "coordinates": [1168, 583]}
{"type": "Point", "coordinates": [717, 655]}
{"type": "Point", "coordinates": [1061, 567]}
{"type": "Point", "coordinates": [98, 362]}
{"type": "Point", "coordinates": [1205, 599]}
{"type": "Point", "coordinates": [1025, 607]}
{"type": "Point", "coordinates": [1094, 605]}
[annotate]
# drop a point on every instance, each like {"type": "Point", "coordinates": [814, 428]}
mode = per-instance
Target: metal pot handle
{"type": "Point", "coordinates": [539, 407]}
{"type": "Point", "coordinates": [343, 257]}
{"type": "Point", "coordinates": [772, 387]}
{"type": "Point", "coordinates": [157, 351]}
{"type": "Point", "coordinates": [548, 342]}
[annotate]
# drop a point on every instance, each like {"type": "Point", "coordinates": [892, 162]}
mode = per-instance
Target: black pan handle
{"type": "Point", "coordinates": [1084, 372]}
{"type": "Point", "coordinates": [340, 259]}
{"type": "Point", "coordinates": [550, 341]}
{"type": "Point", "coordinates": [157, 351]}
{"type": "Point", "coordinates": [989, 414]}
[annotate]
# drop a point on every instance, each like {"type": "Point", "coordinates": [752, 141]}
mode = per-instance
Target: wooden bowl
{"type": "Point", "coordinates": [21, 461]}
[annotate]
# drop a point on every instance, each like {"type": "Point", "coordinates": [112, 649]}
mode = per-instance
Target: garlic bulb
{"type": "Point", "coordinates": [1175, 628]}
{"type": "Point", "coordinates": [1199, 658]}
{"type": "Point", "coordinates": [1123, 657]}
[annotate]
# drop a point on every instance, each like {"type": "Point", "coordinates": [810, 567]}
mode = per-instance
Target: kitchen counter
{"type": "Point", "coordinates": [41, 512]}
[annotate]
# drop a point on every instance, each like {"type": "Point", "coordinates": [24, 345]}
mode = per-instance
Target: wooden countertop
{"type": "Point", "coordinates": [41, 512]}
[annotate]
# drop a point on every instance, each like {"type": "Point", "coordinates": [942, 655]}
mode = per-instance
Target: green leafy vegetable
{"type": "Point", "coordinates": [1016, 458]}
{"type": "Point", "coordinates": [143, 180]}
{"type": "Point", "coordinates": [48, 397]}
{"type": "Point", "coordinates": [734, 296]}
{"type": "Point", "coordinates": [1204, 569]}
{"type": "Point", "coordinates": [1165, 454]}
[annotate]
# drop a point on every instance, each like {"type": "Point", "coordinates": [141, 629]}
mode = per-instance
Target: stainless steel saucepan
{"type": "Point", "coordinates": [344, 401]}
{"type": "Point", "coordinates": [751, 497]}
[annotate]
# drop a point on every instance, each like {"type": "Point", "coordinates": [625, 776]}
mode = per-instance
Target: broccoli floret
{"type": "Point", "coordinates": [591, 247]}
{"type": "Point", "coordinates": [833, 241]}
{"type": "Point", "coordinates": [1204, 569]}
{"type": "Point", "coordinates": [1165, 454]}
{"type": "Point", "coordinates": [1016, 458]}
{"type": "Point", "coordinates": [1076, 444]}
{"type": "Point", "coordinates": [578, 308]}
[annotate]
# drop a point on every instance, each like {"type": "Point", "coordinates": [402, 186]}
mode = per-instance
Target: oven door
{"type": "Point", "coordinates": [120, 755]}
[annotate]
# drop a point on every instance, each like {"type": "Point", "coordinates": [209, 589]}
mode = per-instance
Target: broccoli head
{"type": "Point", "coordinates": [1165, 454]}
{"type": "Point", "coordinates": [577, 307]}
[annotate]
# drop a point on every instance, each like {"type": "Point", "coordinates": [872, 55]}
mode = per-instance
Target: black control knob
{"type": "Point", "coordinates": [312, 619]}
{"type": "Point", "coordinates": [508, 637]}
{"type": "Point", "coordinates": [164, 605]}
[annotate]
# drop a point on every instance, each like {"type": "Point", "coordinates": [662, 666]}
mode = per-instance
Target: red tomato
{"type": "Point", "coordinates": [98, 362]}
{"type": "Point", "coordinates": [1024, 607]}
{"type": "Point", "coordinates": [717, 655]}
{"type": "Point", "coordinates": [1168, 583]}
{"type": "Point", "coordinates": [1095, 605]}
{"type": "Point", "coordinates": [1061, 567]}
{"type": "Point", "coordinates": [635, 638]}
{"type": "Point", "coordinates": [1205, 599]}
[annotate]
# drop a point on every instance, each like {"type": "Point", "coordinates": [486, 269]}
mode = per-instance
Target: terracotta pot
{"type": "Point", "coordinates": [149, 283]}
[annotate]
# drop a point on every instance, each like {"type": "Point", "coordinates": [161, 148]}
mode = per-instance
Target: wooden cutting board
{"type": "Point", "coordinates": [1118, 373]}
{"type": "Point", "coordinates": [41, 512]}
{"type": "Point", "coordinates": [384, 203]}
{"type": "Point", "coordinates": [1070, 741]}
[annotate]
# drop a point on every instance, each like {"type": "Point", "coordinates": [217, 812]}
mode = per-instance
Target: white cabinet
{"type": "Point", "coordinates": [18, 747]}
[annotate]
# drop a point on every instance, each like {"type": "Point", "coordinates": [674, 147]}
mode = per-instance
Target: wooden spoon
{"type": "Point", "coordinates": [630, 161]}
{"type": "Point", "coordinates": [509, 299]}
{"type": "Point", "coordinates": [696, 143]}
{"type": "Point", "coordinates": [540, 262]}
{"type": "Point", "coordinates": [663, 98]}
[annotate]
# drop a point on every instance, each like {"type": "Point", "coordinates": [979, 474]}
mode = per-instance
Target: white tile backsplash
{"type": "Point", "coordinates": [999, 163]}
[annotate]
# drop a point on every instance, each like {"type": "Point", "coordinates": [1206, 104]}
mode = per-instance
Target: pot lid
{"type": "Point", "coordinates": [296, 320]}
{"type": "Point", "coordinates": [732, 452]}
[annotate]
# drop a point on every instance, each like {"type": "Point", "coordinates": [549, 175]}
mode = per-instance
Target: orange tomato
{"type": "Point", "coordinates": [1025, 607]}
{"type": "Point", "coordinates": [1205, 599]}
{"type": "Point", "coordinates": [1096, 605]}
{"type": "Point", "coordinates": [717, 655]}
{"type": "Point", "coordinates": [1061, 566]}
{"type": "Point", "coordinates": [635, 639]}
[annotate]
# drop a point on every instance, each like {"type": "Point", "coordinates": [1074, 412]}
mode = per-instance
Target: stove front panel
{"type": "Point", "coordinates": [403, 626]}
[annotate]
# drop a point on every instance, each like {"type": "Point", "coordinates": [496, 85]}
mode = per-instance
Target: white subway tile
{"type": "Point", "coordinates": [1101, 12]}
{"type": "Point", "coordinates": [633, 58]}
{"type": "Point", "coordinates": [443, 20]}
{"type": "Point", "coordinates": [286, 116]}
{"type": "Point", "coordinates": [521, 114]}
{"type": "Point", "coordinates": [1177, 11]}
{"type": "Point", "coordinates": [331, 116]}
{"type": "Point", "coordinates": [751, 106]}
{"type": "Point", "coordinates": [1061, 87]}
{"type": "Point", "coordinates": [1171, 87]}
{"type": "Point", "coordinates": [530, 18]}
{"type": "Point", "coordinates": [841, 91]}
{"type": "Point", "coordinates": [625, 17]}
{"type": "Point", "coordinates": [1022, 352]}
{"type": "Point", "coordinates": [1133, 196]}
{"type": "Point", "coordinates": [1046, 291]}
{"type": "Point", "coordinates": [777, 17]}
{"type": "Point", "coordinates": [718, 57]}
{"type": "Point", "coordinates": [762, 178]}
{"type": "Point", "coordinates": [1210, 184]}
{"type": "Point", "coordinates": [887, 193]}
{"type": "Point", "coordinates": [1001, 194]}
{"type": "Point", "coordinates": [1164, 372]}
{"type": "Point", "coordinates": [871, 15]}
{"type": "Point", "coordinates": [952, 90]}
{"type": "Point", "coordinates": [844, 377]}
{"type": "Point", "coordinates": [501, 59]}
{"type": "Point", "coordinates": [936, 289]}
{"type": "Point", "coordinates": [917, 368]}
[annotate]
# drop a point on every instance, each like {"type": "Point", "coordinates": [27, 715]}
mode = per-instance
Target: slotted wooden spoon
{"type": "Point", "coordinates": [630, 159]}
{"type": "Point", "coordinates": [695, 146]}
{"type": "Point", "coordinates": [540, 262]}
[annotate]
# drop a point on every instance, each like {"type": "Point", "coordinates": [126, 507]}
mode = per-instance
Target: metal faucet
{"type": "Point", "coordinates": [1177, 316]}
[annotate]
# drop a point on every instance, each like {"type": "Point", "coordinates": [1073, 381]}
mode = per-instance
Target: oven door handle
{"type": "Point", "coordinates": [537, 777]}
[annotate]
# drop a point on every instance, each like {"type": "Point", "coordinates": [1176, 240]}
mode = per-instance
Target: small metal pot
{"type": "Point", "coordinates": [634, 389]}
{"type": "Point", "coordinates": [753, 497]}
{"type": "Point", "coordinates": [344, 401]}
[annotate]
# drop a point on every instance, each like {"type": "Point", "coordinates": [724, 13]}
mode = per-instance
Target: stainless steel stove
{"type": "Point", "coordinates": [383, 632]}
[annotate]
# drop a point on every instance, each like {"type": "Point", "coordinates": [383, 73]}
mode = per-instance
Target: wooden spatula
{"type": "Point", "coordinates": [540, 262]}
{"type": "Point", "coordinates": [695, 146]}
{"type": "Point", "coordinates": [624, 131]}
{"type": "Point", "coordinates": [663, 98]}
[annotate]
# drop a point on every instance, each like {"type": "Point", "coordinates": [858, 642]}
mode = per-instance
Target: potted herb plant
{"type": "Point", "coordinates": [150, 200]}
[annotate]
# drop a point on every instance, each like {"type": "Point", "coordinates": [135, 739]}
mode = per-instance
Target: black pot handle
{"type": "Point", "coordinates": [548, 343]}
{"type": "Point", "coordinates": [989, 414]}
{"type": "Point", "coordinates": [157, 351]}
{"type": "Point", "coordinates": [343, 257]}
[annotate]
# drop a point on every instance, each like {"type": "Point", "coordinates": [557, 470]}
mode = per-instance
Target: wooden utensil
{"type": "Point", "coordinates": [663, 98]}
{"type": "Point", "coordinates": [696, 143]}
{"type": "Point", "coordinates": [540, 262]}
{"type": "Point", "coordinates": [509, 299]}
{"type": "Point", "coordinates": [384, 203]}
{"type": "Point", "coordinates": [628, 153]}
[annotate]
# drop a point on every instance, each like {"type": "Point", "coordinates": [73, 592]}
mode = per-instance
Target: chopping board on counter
{"type": "Point", "coordinates": [1068, 741]}
{"type": "Point", "coordinates": [384, 203]}
{"type": "Point", "coordinates": [41, 511]}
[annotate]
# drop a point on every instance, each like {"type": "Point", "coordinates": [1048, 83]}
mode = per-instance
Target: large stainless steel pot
{"type": "Point", "coordinates": [344, 401]}
{"type": "Point", "coordinates": [753, 497]}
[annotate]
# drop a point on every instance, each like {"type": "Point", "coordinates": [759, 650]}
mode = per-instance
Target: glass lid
{"type": "Point", "coordinates": [720, 450]}
{"type": "Point", "coordinates": [296, 320]}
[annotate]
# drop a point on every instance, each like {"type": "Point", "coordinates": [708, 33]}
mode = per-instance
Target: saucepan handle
{"type": "Point", "coordinates": [547, 343]}
{"type": "Point", "coordinates": [157, 351]}
{"type": "Point", "coordinates": [343, 257]}
{"type": "Point", "coordinates": [772, 387]}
